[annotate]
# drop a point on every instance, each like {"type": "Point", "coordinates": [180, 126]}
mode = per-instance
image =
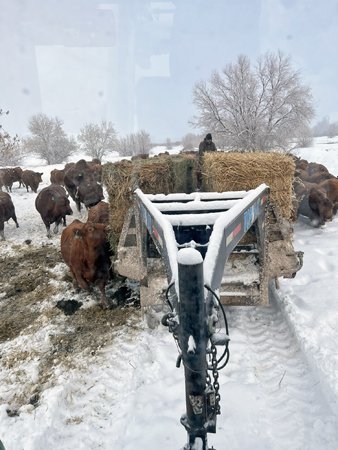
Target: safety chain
{"type": "Point", "coordinates": [215, 376]}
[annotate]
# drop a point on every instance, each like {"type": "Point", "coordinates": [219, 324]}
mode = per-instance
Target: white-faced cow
{"type": "Point", "coordinates": [82, 186]}
{"type": "Point", "coordinates": [7, 211]}
{"type": "Point", "coordinates": [86, 251]}
{"type": "Point", "coordinates": [53, 205]}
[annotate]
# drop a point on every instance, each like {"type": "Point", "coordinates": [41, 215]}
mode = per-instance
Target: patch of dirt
{"type": "Point", "coordinates": [25, 284]}
{"type": "Point", "coordinates": [30, 294]}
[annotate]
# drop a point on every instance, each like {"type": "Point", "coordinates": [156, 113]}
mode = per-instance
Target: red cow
{"type": "Point", "coordinates": [312, 202]}
{"type": "Point", "coordinates": [31, 179]}
{"type": "Point", "coordinates": [82, 186]}
{"type": "Point", "coordinates": [331, 188]}
{"type": "Point", "coordinates": [86, 251]}
{"type": "Point", "coordinates": [7, 178]}
{"type": "Point", "coordinates": [99, 213]}
{"type": "Point", "coordinates": [17, 174]}
{"type": "Point", "coordinates": [53, 205]}
{"type": "Point", "coordinates": [57, 176]}
{"type": "Point", "coordinates": [7, 211]}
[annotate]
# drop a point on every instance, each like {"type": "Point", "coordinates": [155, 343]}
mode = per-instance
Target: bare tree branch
{"type": "Point", "coordinates": [258, 108]}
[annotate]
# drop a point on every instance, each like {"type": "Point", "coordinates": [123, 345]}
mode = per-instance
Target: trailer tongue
{"type": "Point", "coordinates": [198, 252]}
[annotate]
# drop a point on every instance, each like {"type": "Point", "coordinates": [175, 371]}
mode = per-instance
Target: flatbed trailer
{"type": "Point", "coordinates": [194, 253]}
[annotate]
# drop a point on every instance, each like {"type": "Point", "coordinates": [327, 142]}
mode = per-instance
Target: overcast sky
{"type": "Point", "coordinates": [135, 62]}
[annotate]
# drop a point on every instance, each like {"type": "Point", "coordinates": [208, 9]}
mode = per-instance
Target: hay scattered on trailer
{"type": "Point", "coordinates": [231, 171]}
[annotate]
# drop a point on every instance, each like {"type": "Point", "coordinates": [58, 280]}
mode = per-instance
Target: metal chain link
{"type": "Point", "coordinates": [215, 375]}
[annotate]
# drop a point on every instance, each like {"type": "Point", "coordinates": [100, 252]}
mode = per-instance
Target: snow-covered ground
{"type": "Point", "coordinates": [278, 391]}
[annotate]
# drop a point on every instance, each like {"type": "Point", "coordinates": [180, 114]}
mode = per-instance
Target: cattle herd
{"type": "Point", "coordinates": [315, 192]}
{"type": "Point", "coordinates": [84, 246]}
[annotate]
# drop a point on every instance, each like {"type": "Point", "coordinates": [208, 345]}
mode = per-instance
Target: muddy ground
{"type": "Point", "coordinates": [46, 323]}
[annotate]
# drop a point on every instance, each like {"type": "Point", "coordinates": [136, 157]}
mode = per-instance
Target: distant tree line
{"type": "Point", "coordinates": [247, 107]}
{"type": "Point", "coordinates": [48, 140]}
{"type": "Point", "coordinates": [325, 128]}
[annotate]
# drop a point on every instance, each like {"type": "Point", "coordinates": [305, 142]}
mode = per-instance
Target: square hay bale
{"type": "Point", "coordinates": [154, 175]}
{"type": "Point", "coordinates": [164, 174]}
{"type": "Point", "coordinates": [184, 168]}
{"type": "Point", "coordinates": [118, 180]}
{"type": "Point", "coordinates": [232, 171]}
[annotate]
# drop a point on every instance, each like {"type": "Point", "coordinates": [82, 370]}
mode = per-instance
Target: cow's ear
{"type": "Point", "coordinates": [41, 173]}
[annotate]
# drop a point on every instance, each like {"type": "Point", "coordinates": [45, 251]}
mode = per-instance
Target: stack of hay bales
{"type": "Point", "coordinates": [163, 174]}
{"type": "Point", "coordinates": [222, 171]}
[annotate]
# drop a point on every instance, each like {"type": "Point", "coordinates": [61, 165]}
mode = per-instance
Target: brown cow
{"type": "Point", "coordinates": [57, 176]}
{"type": "Point", "coordinates": [53, 205]}
{"type": "Point", "coordinates": [86, 251]}
{"type": "Point", "coordinates": [97, 171]}
{"type": "Point", "coordinates": [99, 213]}
{"type": "Point", "coordinates": [31, 179]}
{"type": "Point", "coordinates": [2, 182]}
{"type": "Point", "coordinates": [10, 175]}
{"type": "Point", "coordinates": [313, 203]}
{"type": "Point", "coordinates": [7, 178]}
{"type": "Point", "coordinates": [300, 163]}
{"type": "Point", "coordinates": [17, 175]}
{"type": "Point", "coordinates": [313, 167]}
{"type": "Point", "coordinates": [82, 186]}
{"type": "Point", "coordinates": [331, 188]}
{"type": "Point", "coordinates": [7, 211]}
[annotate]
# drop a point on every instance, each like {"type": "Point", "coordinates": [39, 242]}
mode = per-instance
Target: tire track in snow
{"type": "Point", "coordinates": [286, 402]}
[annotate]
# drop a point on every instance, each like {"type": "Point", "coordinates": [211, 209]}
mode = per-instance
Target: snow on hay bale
{"type": "Point", "coordinates": [231, 171]}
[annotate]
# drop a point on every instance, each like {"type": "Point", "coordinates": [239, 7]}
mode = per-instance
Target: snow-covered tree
{"type": "Point", "coordinates": [143, 143]}
{"type": "Point", "coordinates": [333, 130]}
{"type": "Point", "coordinates": [168, 144]}
{"type": "Point", "coordinates": [134, 144]}
{"type": "Point", "coordinates": [321, 128]}
{"type": "Point", "coordinates": [190, 141]}
{"type": "Point", "coordinates": [10, 150]}
{"type": "Point", "coordinates": [49, 141]}
{"type": "Point", "coordinates": [98, 140]}
{"type": "Point", "coordinates": [304, 138]}
{"type": "Point", "coordinates": [254, 108]}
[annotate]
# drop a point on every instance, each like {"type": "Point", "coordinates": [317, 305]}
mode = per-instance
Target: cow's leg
{"type": "Point", "coordinates": [56, 227]}
{"type": "Point", "coordinates": [15, 220]}
{"type": "Point", "coordinates": [48, 230]}
{"type": "Point", "coordinates": [78, 205]}
{"type": "Point", "coordinates": [2, 234]}
{"type": "Point", "coordinates": [104, 301]}
{"type": "Point", "coordinates": [82, 282]}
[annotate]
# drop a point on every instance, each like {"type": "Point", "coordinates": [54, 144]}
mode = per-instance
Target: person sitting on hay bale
{"type": "Point", "coordinates": [207, 145]}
